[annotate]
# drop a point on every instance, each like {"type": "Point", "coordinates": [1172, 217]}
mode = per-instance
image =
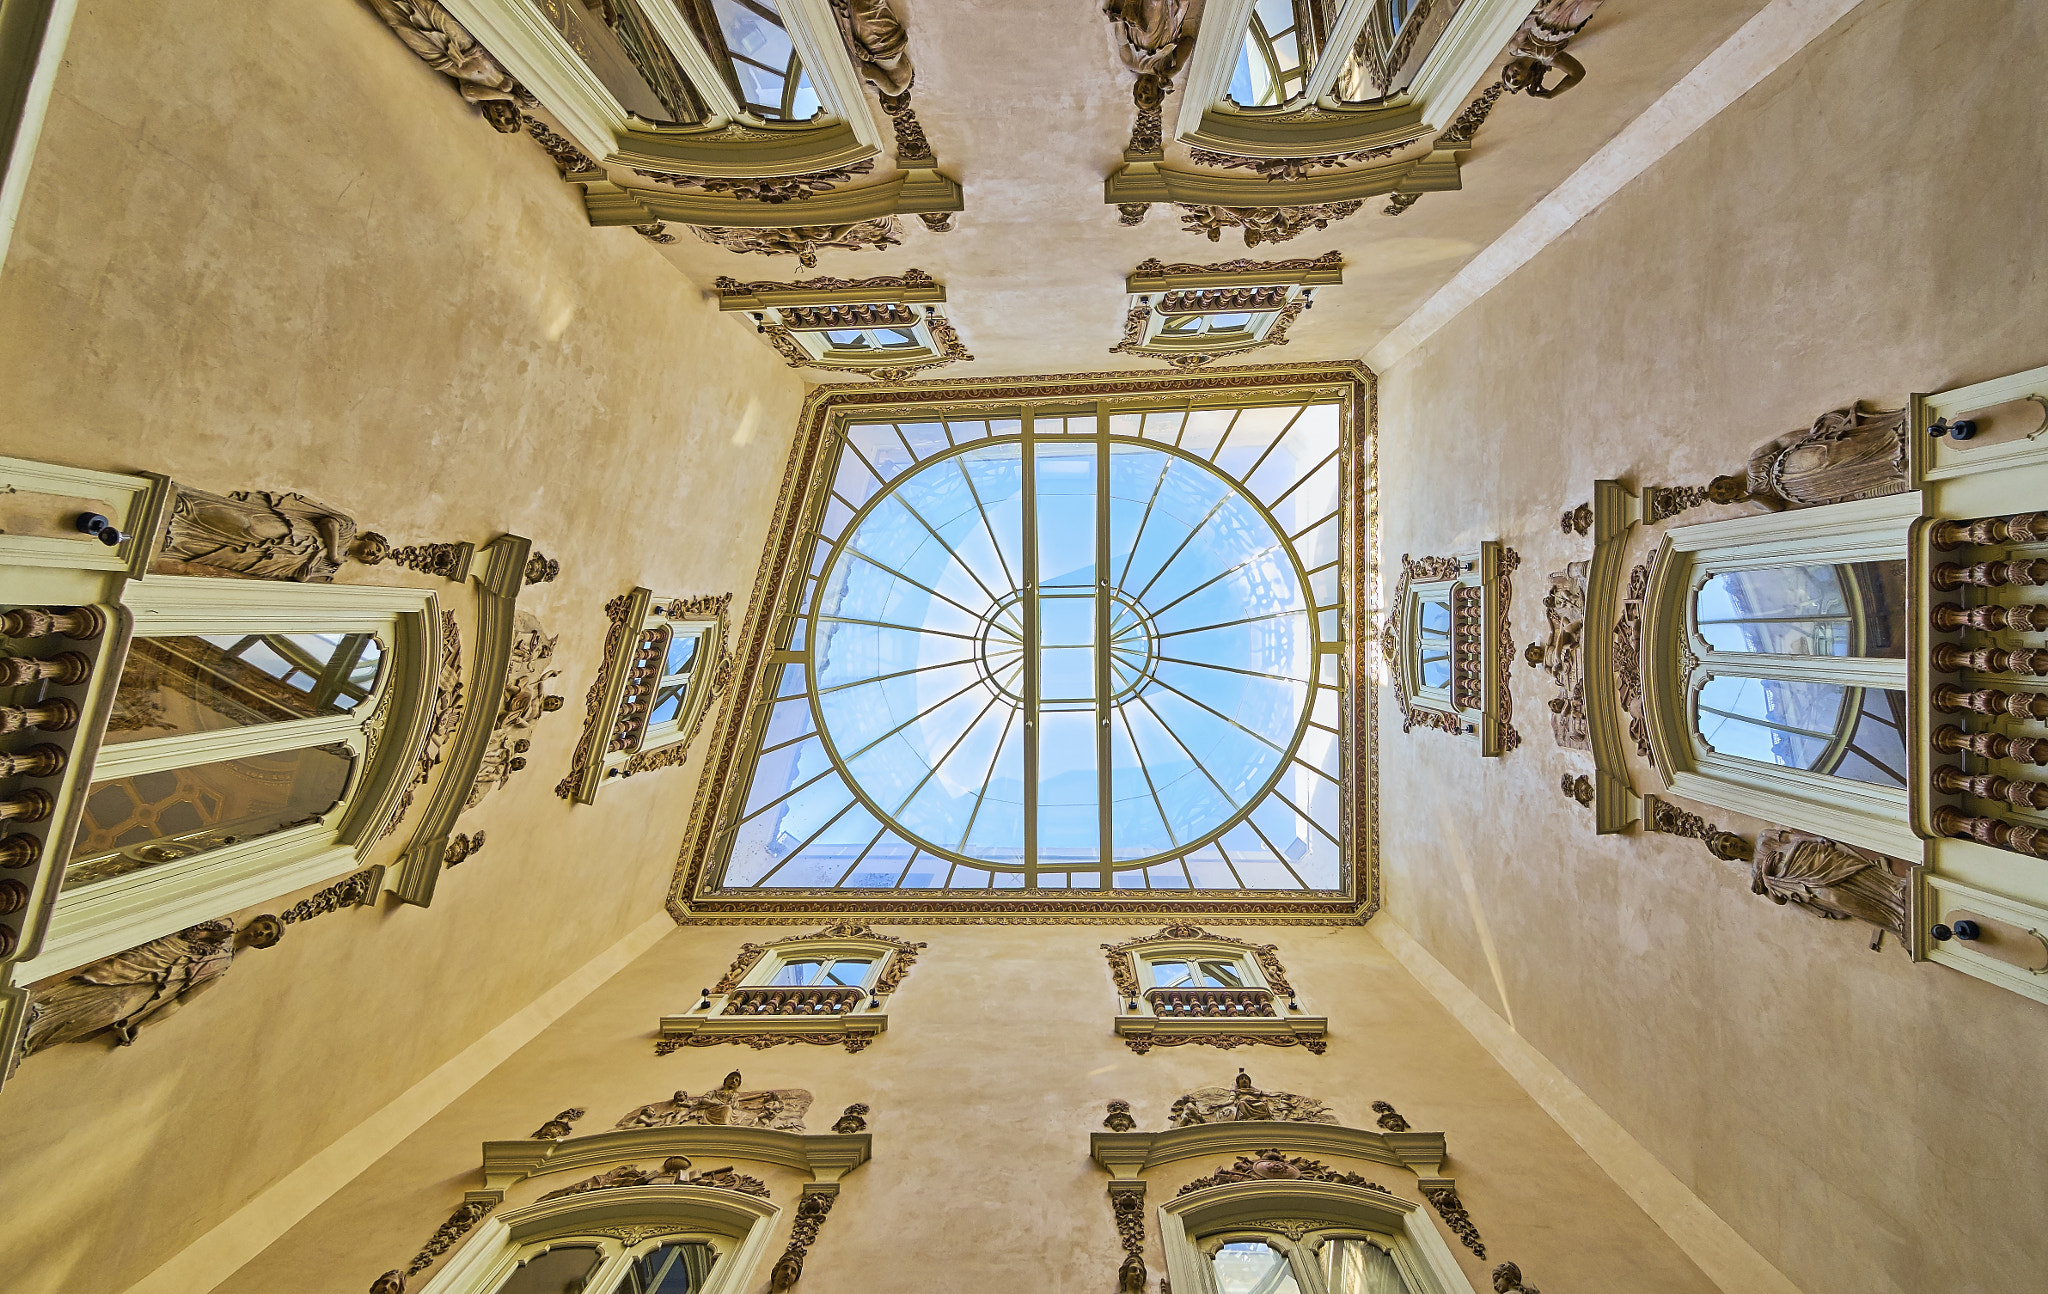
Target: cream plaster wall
{"type": "Point", "coordinates": [265, 247]}
{"type": "Point", "coordinates": [998, 1064]}
{"type": "Point", "coordinates": [1862, 224]}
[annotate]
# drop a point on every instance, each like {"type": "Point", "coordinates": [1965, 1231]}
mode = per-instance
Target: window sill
{"type": "Point", "coordinates": [1141, 1033]}
{"type": "Point", "coordinates": [853, 1030]}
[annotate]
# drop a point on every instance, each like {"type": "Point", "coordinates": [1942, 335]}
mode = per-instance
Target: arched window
{"type": "Point", "coordinates": [662, 1239]}
{"type": "Point", "coordinates": [1303, 1237]}
{"type": "Point", "coordinates": [1775, 668]}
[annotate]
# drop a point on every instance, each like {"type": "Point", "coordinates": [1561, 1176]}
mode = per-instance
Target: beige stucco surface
{"type": "Point", "coordinates": [1849, 229]}
{"type": "Point", "coordinates": [998, 1063]}
{"type": "Point", "coordinates": [264, 247]}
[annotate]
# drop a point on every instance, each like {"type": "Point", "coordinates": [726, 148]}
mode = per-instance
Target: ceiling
{"type": "Point", "coordinates": [1028, 108]}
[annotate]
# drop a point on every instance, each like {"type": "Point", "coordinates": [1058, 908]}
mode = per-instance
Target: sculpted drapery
{"type": "Point", "coordinates": [1829, 879]}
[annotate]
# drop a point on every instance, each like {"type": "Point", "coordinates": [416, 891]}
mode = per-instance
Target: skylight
{"type": "Point", "coordinates": [1084, 650]}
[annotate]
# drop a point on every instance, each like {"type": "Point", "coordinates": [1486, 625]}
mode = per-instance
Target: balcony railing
{"type": "Point", "coordinates": [1209, 1003]}
{"type": "Point", "coordinates": [793, 1001]}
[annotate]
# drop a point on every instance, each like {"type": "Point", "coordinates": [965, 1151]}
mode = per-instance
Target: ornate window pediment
{"type": "Point", "coordinates": [665, 663]}
{"type": "Point", "coordinates": [713, 113]}
{"type": "Point", "coordinates": [888, 327]}
{"type": "Point", "coordinates": [1447, 647]}
{"type": "Point", "coordinates": [831, 987]}
{"type": "Point", "coordinates": [1185, 986]}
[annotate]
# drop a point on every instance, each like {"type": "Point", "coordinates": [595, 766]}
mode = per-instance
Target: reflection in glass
{"type": "Point", "coordinates": [1251, 1267]}
{"type": "Point", "coordinates": [672, 692]}
{"type": "Point", "coordinates": [840, 972]}
{"type": "Point", "coordinates": [558, 1271]}
{"type": "Point", "coordinates": [1857, 733]}
{"type": "Point", "coordinates": [1857, 609]}
{"type": "Point", "coordinates": [147, 819]}
{"type": "Point", "coordinates": [678, 1268]}
{"type": "Point", "coordinates": [1433, 641]}
{"type": "Point", "coordinates": [758, 58]}
{"type": "Point", "coordinates": [1202, 973]}
{"type": "Point", "coordinates": [617, 43]}
{"type": "Point", "coordinates": [1210, 325]}
{"type": "Point", "coordinates": [1272, 63]}
{"type": "Point", "coordinates": [185, 684]}
{"type": "Point", "coordinates": [1360, 1267]}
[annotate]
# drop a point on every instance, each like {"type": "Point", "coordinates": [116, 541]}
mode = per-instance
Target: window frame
{"type": "Point", "coordinates": [1193, 1225]}
{"type": "Point", "coordinates": [1677, 662]}
{"type": "Point", "coordinates": [739, 1228]}
{"type": "Point", "coordinates": [1142, 1026]}
{"type": "Point", "coordinates": [718, 1015]}
{"type": "Point", "coordinates": [123, 911]}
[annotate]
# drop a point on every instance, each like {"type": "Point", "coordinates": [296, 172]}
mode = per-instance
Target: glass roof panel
{"type": "Point", "coordinates": [1063, 653]}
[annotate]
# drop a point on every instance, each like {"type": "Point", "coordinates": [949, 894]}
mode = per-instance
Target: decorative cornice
{"type": "Point", "coordinates": [1283, 169]}
{"type": "Point", "coordinates": [805, 241]}
{"type": "Point", "coordinates": [1153, 266]}
{"type": "Point", "coordinates": [771, 189]}
{"type": "Point", "coordinates": [911, 278]}
{"type": "Point", "coordinates": [1264, 224]}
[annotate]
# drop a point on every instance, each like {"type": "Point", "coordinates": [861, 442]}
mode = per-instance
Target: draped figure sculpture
{"type": "Point", "coordinates": [121, 992]}
{"type": "Point", "coordinates": [446, 46]}
{"type": "Point", "coordinates": [1848, 453]}
{"type": "Point", "coordinates": [256, 534]}
{"type": "Point", "coordinates": [880, 46]}
{"type": "Point", "coordinates": [1538, 48]}
{"type": "Point", "coordinates": [1831, 880]}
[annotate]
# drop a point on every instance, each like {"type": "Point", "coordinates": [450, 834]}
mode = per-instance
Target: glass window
{"type": "Point", "coordinates": [178, 685]}
{"type": "Point", "coordinates": [1850, 732]}
{"type": "Point", "coordinates": [1850, 610]}
{"type": "Point", "coordinates": [564, 1270]}
{"type": "Point", "coordinates": [762, 66]}
{"type": "Point", "coordinates": [1360, 1267]}
{"type": "Point", "coordinates": [1270, 67]}
{"type": "Point", "coordinates": [671, 702]}
{"type": "Point", "coordinates": [1205, 972]}
{"type": "Point", "coordinates": [830, 972]}
{"type": "Point", "coordinates": [1433, 643]}
{"type": "Point", "coordinates": [1252, 1267]}
{"type": "Point", "coordinates": [147, 819]}
{"type": "Point", "coordinates": [679, 1268]}
{"type": "Point", "coordinates": [1210, 325]}
{"type": "Point", "coordinates": [1074, 658]}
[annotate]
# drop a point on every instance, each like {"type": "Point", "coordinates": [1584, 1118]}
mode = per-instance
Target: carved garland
{"type": "Point", "coordinates": [446, 718]}
{"type": "Point", "coordinates": [907, 279]}
{"type": "Point", "coordinates": [1447, 1203]}
{"type": "Point", "coordinates": [1127, 1210]}
{"type": "Point", "coordinates": [774, 189]}
{"type": "Point", "coordinates": [811, 1212]}
{"type": "Point", "coordinates": [853, 1042]}
{"type": "Point", "coordinates": [1628, 663]}
{"type": "Point", "coordinates": [1271, 1165]}
{"type": "Point", "coordinates": [1263, 224]}
{"type": "Point", "coordinates": [805, 241]}
{"type": "Point", "coordinates": [1287, 169]}
{"type": "Point", "coordinates": [616, 612]}
{"type": "Point", "coordinates": [1663, 817]}
{"type": "Point", "coordinates": [1153, 266]}
{"type": "Point", "coordinates": [1143, 1043]}
{"type": "Point", "coordinates": [1510, 562]}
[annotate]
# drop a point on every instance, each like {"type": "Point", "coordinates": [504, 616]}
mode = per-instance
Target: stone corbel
{"type": "Point", "coordinates": [420, 864]}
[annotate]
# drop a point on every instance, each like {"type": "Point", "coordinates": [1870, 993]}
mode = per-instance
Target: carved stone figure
{"type": "Point", "coordinates": [1130, 1278]}
{"type": "Point", "coordinates": [1151, 40]}
{"type": "Point", "coordinates": [1846, 454]}
{"type": "Point", "coordinates": [446, 46]}
{"type": "Point", "coordinates": [260, 535]}
{"type": "Point", "coordinates": [121, 992]}
{"type": "Point", "coordinates": [726, 1105]}
{"type": "Point", "coordinates": [1560, 655]}
{"type": "Point", "coordinates": [526, 699]}
{"type": "Point", "coordinates": [674, 1171]}
{"type": "Point", "coordinates": [1242, 1102]}
{"type": "Point", "coordinates": [1831, 880]}
{"type": "Point", "coordinates": [788, 1270]}
{"type": "Point", "coordinates": [1538, 48]}
{"type": "Point", "coordinates": [805, 241]}
{"type": "Point", "coordinates": [559, 1126]}
{"type": "Point", "coordinates": [391, 1282]}
{"type": "Point", "coordinates": [879, 45]}
{"type": "Point", "coordinates": [1507, 1279]}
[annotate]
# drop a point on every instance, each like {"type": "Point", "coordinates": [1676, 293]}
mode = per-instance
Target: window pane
{"type": "Point", "coordinates": [668, 704]}
{"type": "Point", "coordinates": [1876, 750]}
{"type": "Point", "coordinates": [133, 823]}
{"type": "Point", "coordinates": [558, 1271]}
{"type": "Point", "coordinates": [1252, 1267]}
{"type": "Point", "coordinates": [1436, 617]}
{"type": "Point", "coordinates": [671, 1269]}
{"type": "Point", "coordinates": [1774, 721]}
{"type": "Point", "coordinates": [1221, 974]}
{"type": "Point", "coordinates": [1857, 609]}
{"type": "Point", "coordinates": [171, 686]}
{"type": "Point", "coordinates": [796, 974]}
{"type": "Point", "coordinates": [682, 654]}
{"type": "Point", "coordinates": [1169, 974]}
{"type": "Point", "coordinates": [847, 973]}
{"type": "Point", "coordinates": [1358, 1267]}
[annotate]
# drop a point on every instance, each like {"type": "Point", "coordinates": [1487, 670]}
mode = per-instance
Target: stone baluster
{"type": "Point", "coordinates": [45, 760]}
{"type": "Point", "coordinates": [2017, 837]}
{"type": "Point", "coordinates": [1991, 700]}
{"type": "Point", "coordinates": [81, 623]}
{"type": "Point", "coordinates": [1990, 575]}
{"type": "Point", "coordinates": [13, 897]}
{"type": "Point", "coordinates": [2023, 528]}
{"type": "Point", "coordinates": [1990, 660]}
{"type": "Point", "coordinates": [2018, 792]}
{"type": "Point", "coordinates": [54, 715]}
{"type": "Point", "coordinates": [2028, 617]}
{"type": "Point", "coordinates": [32, 805]}
{"type": "Point", "coordinates": [66, 669]}
{"type": "Point", "coordinates": [1991, 745]}
{"type": "Point", "coordinates": [19, 850]}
